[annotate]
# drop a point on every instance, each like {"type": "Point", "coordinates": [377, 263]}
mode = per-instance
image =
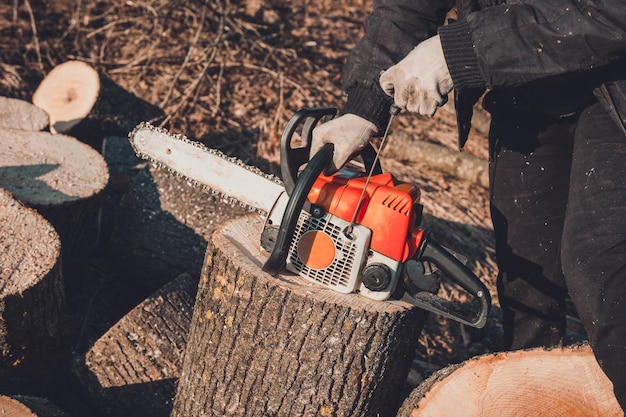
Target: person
{"type": "Point", "coordinates": [552, 74]}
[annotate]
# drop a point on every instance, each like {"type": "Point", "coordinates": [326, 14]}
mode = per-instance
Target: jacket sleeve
{"type": "Point", "coordinates": [514, 44]}
{"type": "Point", "coordinates": [392, 30]}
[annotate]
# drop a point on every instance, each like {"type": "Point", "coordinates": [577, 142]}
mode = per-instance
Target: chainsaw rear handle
{"type": "Point", "coordinates": [454, 270]}
{"type": "Point", "coordinates": [293, 158]}
{"type": "Point", "coordinates": [277, 259]}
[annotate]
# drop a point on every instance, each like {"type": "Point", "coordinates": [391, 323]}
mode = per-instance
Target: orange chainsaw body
{"type": "Point", "coordinates": [387, 207]}
{"type": "Point", "coordinates": [357, 233]}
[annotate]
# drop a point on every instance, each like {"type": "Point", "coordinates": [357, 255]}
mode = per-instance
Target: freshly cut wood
{"type": "Point", "coordinates": [27, 406]}
{"type": "Point", "coordinates": [59, 176]}
{"type": "Point", "coordinates": [22, 115]}
{"type": "Point", "coordinates": [537, 382]}
{"type": "Point", "coordinates": [461, 165]}
{"type": "Point", "coordinates": [84, 103]}
{"type": "Point", "coordinates": [133, 368]}
{"type": "Point", "coordinates": [280, 346]}
{"type": "Point", "coordinates": [67, 94]}
{"type": "Point", "coordinates": [32, 301]}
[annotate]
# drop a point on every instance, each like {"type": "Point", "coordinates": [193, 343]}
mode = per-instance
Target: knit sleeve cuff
{"type": "Point", "coordinates": [369, 105]}
{"type": "Point", "coordinates": [459, 50]}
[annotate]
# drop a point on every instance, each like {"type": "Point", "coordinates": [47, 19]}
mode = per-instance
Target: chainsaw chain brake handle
{"type": "Point", "coordinates": [292, 159]}
{"type": "Point", "coordinates": [278, 257]}
{"type": "Point", "coordinates": [455, 271]}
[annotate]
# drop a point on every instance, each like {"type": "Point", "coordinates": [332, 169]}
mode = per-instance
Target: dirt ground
{"type": "Point", "coordinates": [231, 73]}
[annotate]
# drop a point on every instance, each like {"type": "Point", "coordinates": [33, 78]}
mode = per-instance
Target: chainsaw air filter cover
{"type": "Point", "coordinates": [322, 252]}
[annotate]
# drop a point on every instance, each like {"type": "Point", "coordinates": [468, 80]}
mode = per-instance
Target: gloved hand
{"type": "Point", "coordinates": [349, 134]}
{"type": "Point", "coordinates": [421, 81]}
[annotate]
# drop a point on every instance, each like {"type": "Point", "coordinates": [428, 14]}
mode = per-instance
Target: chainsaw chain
{"type": "Point", "coordinates": [202, 148]}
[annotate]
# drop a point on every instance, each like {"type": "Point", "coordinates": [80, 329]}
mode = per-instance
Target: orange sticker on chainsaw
{"type": "Point", "coordinates": [316, 249]}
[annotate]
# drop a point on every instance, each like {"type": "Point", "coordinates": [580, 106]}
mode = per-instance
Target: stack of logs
{"type": "Point", "coordinates": [214, 334]}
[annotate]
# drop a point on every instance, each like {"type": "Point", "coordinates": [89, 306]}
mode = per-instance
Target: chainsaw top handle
{"type": "Point", "coordinates": [455, 271]}
{"type": "Point", "coordinates": [292, 159]}
{"type": "Point", "coordinates": [276, 261]}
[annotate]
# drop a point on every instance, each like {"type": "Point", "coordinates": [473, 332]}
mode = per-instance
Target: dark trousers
{"type": "Point", "coordinates": [558, 201]}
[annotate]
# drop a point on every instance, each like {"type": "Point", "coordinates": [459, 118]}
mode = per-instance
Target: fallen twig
{"type": "Point", "coordinates": [33, 26]}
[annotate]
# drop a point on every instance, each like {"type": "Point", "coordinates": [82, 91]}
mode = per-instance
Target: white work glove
{"type": "Point", "coordinates": [348, 133]}
{"type": "Point", "coordinates": [421, 81]}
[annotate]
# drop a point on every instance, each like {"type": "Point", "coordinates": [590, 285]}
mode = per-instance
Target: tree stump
{"type": "Point", "coordinates": [25, 406]}
{"type": "Point", "coordinates": [86, 104]}
{"type": "Point", "coordinates": [535, 382]}
{"type": "Point", "coordinates": [62, 178]}
{"type": "Point", "coordinates": [22, 115]}
{"type": "Point", "coordinates": [32, 302]}
{"type": "Point", "coordinates": [133, 368]}
{"type": "Point", "coordinates": [279, 346]}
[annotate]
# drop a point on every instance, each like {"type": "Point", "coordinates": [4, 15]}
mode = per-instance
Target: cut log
{"type": "Point", "coordinates": [461, 165]}
{"type": "Point", "coordinates": [123, 166]}
{"type": "Point", "coordinates": [62, 178]}
{"type": "Point", "coordinates": [84, 103]}
{"type": "Point", "coordinates": [133, 368]}
{"type": "Point", "coordinates": [26, 406]}
{"type": "Point", "coordinates": [22, 115]}
{"type": "Point", "coordinates": [162, 225]}
{"type": "Point", "coordinates": [32, 302]}
{"type": "Point", "coordinates": [280, 346]}
{"type": "Point", "coordinates": [68, 94]}
{"type": "Point", "coordinates": [535, 382]}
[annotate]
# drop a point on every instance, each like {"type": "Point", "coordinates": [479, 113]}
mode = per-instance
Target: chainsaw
{"type": "Point", "coordinates": [353, 231]}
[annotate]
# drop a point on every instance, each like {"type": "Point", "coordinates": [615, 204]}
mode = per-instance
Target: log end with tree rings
{"type": "Point", "coordinates": [85, 103]}
{"type": "Point", "coordinates": [29, 406]}
{"type": "Point", "coordinates": [535, 382]}
{"type": "Point", "coordinates": [68, 93]}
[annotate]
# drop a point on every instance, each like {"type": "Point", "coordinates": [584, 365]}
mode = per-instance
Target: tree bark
{"type": "Point", "coordinates": [60, 177]}
{"type": "Point", "coordinates": [133, 368]}
{"type": "Point", "coordinates": [32, 302]}
{"type": "Point", "coordinates": [535, 382]}
{"type": "Point", "coordinates": [279, 346]}
{"type": "Point", "coordinates": [22, 115]}
{"type": "Point", "coordinates": [161, 226]}
{"type": "Point", "coordinates": [86, 104]}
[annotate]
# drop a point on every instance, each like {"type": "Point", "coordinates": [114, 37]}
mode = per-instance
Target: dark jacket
{"type": "Point", "coordinates": [550, 53]}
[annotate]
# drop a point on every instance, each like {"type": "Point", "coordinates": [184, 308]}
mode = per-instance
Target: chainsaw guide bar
{"type": "Point", "coordinates": [209, 169]}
